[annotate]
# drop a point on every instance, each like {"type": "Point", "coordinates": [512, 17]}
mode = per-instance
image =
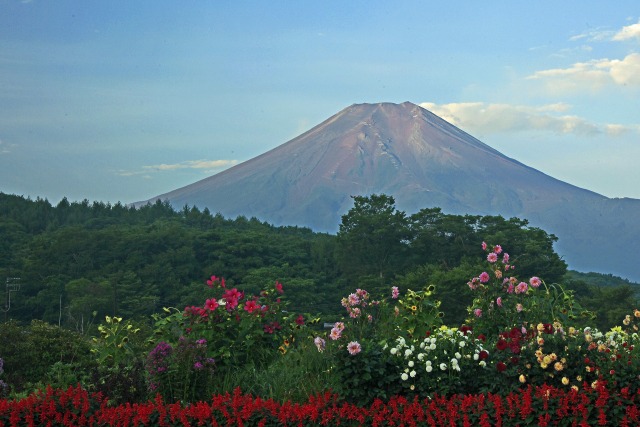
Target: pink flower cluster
{"type": "Point", "coordinates": [355, 302]}
{"type": "Point", "coordinates": [510, 285]}
{"type": "Point", "coordinates": [336, 331]}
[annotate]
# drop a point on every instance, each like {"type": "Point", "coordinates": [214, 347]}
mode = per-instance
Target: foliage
{"type": "Point", "coordinates": [230, 330]}
{"type": "Point", "coordinates": [4, 388]}
{"type": "Point", "coordinates": [357, 345]}
{"type": "Point", "coordinates": [42, 352]}
{"type": "Point", "coordinates": [372, 237]}
{"type": "Point", "coordinates": [503, 301]}
{"type": "Point", "coordinates": [119, 371]}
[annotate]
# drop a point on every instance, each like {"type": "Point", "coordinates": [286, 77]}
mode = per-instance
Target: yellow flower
{"type": "Point", "coordinates": [414, 308]}
{"type": "Point", "coordinates": [588, 368]}
{"type": "Point", "coordinates": [553, 356]}
{"type": "Point", "coordinates": [636, 313]}
{"type": "Point", "coordinates": [572, 330]}
{"type": "Point", "coordinates": [565, 380]}
{"type": "Point", "coordinates": [594, 384]}
{"type": "Point", "coordinates": [540, 341]}
{"type": "Point", "coordinates": [522, 379]}
{"type": "Point", "coordinates": [558, 366]}
{"type": "Point", "coordinates": [282, 350]}
{"type": "Point", "coordinates": [588, 338]}
{"type": "Point", "coordinates": [540, 327]}
{"type": "Point", "coordinates": [579, 378]}
{"type": "Point", "coordinates": [543, 365]}
{"type": "Point", "coordinates": [574, 387]}
{"type": "Point", "coordinates": [547, 359]}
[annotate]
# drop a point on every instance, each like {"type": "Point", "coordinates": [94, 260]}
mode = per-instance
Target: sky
{"type": "Point", "coordinates": [121, 101]}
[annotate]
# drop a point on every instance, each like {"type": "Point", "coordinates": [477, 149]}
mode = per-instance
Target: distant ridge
{"type": "Point", "coordinates": [423, 161]}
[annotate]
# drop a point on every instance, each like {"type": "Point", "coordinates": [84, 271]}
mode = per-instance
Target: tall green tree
{"type": "Point", "coordinates": [373, 238]}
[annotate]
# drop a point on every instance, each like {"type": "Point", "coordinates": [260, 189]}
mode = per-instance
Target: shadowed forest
{"type": "Point", "coordinates": [78, 262]}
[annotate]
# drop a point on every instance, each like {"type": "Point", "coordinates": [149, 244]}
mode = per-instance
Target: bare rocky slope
{"type": "Point", "coordinates": [406, 151]}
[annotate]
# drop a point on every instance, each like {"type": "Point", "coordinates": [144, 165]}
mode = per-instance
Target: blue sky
{"type": "Point", "coordinates": [125, 100]}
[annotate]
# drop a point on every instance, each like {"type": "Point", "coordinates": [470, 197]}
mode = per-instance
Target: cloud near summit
{"type": "Point", "coordinates": [209, 166]}
{"type": "Point", "coordinates": [485, 118]}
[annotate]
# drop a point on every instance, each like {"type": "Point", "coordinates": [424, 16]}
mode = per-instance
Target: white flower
{"type": "Point", "coordinates": [412, 374]}
{"type": "Point", "coordinates": [476, 357]}
{"type": "Point", "coordinates": [461, 344]}
{"type": "Point", "coordinates": [429, 368]}
{"type": "Point", "coordinates": [410, 363]}
{"type": "Point", "coordinates": [404, 377]}
{"type": "Point", "coordinates": [432, 346]}
{"type": "Point", "coordinates": [443, 366]}
{"type": "Point", "coordinates": [420, 356]}
{"type": "Point", "coordinates": [454, 361]}
{"type": "Point", "coordinates": [393, 350]}
{"type": "Point", "coordinates": [458, 355]}
{"type": "Point", "coordinates": [456, 367]}
{"type": "Point", "coordinates": [428, 363]}
{"type": "Point", "coordinates": [482, 363]}
{"type": "Point", "coordinates": [407, 352]}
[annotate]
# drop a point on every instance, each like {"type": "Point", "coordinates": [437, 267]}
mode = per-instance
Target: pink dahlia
{"type": "Point", "coordinates": [354, 348]}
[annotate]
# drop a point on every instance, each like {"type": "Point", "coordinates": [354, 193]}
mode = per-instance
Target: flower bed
{"type": "Point", "coordinates": [530, 406]}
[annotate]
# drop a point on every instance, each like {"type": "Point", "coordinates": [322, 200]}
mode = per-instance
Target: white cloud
{"type": "Point", "coordinates": [194, 164]}
{"type": "Point", "coordinates": [208, 166]}
{"type": "Point", "coordinates": [592, 75]}
{"type": "Point", "coordinates": [483, 118]}
{"type": "Point", "coordinates": [628, 32]}
{"type": "Point", "coordinates": [594, 35]}
{"type": "Point", "coordinates": [4, 147]}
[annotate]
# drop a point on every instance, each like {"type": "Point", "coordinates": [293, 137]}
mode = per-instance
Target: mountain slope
{"type": "Point", "coordinates": [423, 161]}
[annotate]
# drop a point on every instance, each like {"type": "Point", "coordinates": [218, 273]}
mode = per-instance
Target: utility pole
{"type": "Point", "coordinates": [12, 285]}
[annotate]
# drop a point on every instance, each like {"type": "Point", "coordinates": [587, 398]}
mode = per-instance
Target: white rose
{"type": "Point", "coordinates": [404, 377]}
{"type": "Point", "coordinates": [443, 366]}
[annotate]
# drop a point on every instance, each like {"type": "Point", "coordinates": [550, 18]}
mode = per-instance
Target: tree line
{"type": "Point", "coordinates": [80, 261]}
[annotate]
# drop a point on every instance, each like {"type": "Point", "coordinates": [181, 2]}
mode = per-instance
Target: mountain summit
{"type": "Point", "coordinates": [423, 161]}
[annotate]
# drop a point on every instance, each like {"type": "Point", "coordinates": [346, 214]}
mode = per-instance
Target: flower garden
{"type": "Point", "coordinates": [526, 356]}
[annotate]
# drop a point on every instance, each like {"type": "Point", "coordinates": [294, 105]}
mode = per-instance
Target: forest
{"type": "Point", "coordinates": [74, 263]}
